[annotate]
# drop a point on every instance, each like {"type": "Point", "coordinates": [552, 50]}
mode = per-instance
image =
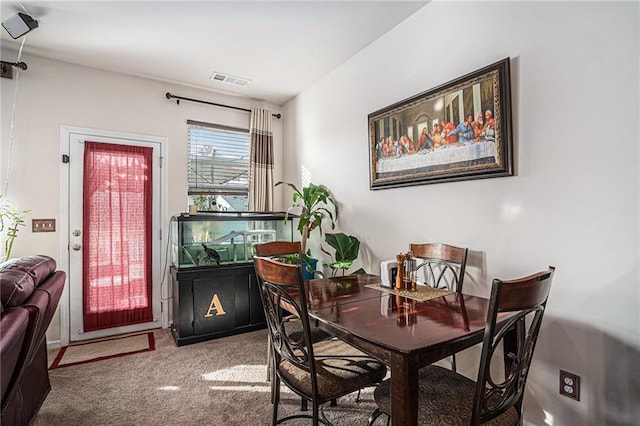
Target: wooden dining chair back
{"type": "Point", "coordinates": [278, 281]}
{"type": "Point", "coordinates": [284, 249]}
{"type": "Point", "coordinates": [525, 299]}
{"type": "Point", "coordinates": [319, 371]}
{"type": "Point", "coordinates": [443, 265]}
{"type": "Point", "coordinates": [514, 315]}
{"type": "Point", "coordinates": [277, 248]}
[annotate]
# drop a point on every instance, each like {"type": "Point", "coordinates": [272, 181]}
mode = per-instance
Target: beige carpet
{"type": "Point", "coordinates": [103, 349]}
{"type": "Point", "coordinates": [219, 382]}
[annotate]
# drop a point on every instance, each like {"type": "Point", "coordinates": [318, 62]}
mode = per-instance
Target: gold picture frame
{"type": "Point", "coordinates": [459, 130]}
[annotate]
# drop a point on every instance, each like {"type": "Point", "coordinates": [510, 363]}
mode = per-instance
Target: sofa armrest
{"type": "Point", "coordinates": [13, 330]}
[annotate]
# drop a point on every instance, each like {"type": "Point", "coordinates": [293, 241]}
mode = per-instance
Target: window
{"type": "Point", "coordinates": [218, 167]}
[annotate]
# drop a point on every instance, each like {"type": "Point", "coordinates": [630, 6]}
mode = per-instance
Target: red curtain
{"type": "Point", "coordinates": [117, 220]}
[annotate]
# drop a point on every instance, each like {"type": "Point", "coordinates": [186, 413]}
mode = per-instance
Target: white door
{"type": "Point", "coordinates": [76, 146]}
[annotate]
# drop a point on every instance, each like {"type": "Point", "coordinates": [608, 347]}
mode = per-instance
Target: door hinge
{"type": "Point", "coordinates": [160, 232]}
{"type": "Point", "coordinates": [161, 161]}
{"type": "Point", "coordinates": [65, 158]}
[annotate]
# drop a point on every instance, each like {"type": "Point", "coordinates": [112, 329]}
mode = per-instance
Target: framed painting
{"type": "Point", "coordinates": [457, 131]}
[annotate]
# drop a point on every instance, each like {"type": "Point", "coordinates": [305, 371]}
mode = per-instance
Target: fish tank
{"type": "Point", "coordinates": [225, 238]}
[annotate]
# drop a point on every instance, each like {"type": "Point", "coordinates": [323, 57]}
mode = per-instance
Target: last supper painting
{"type": "Point", "coordinates": [457, 131]}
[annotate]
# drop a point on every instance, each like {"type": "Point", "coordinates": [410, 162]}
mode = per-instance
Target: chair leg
{"type": "Point", "coordinates": [304, 404]}
{"type": "Point", "coordinates": [269, 358]}
{"type": "Point", "coordinates": [374, 416]}
{"type": "Point", "coordinates": [271, 372]}
{"type": "Point", "coordinates": [273, 386]}
{"type": "Point", "coordinates": [275, 397]}
{"type": "Point", "coordinates": [453, 363]}
{"type": "Point", "coordinates": [316, 414]}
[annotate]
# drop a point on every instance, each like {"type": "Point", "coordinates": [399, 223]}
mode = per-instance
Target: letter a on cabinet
{"type": "Point", "coordinates": [215, 305]}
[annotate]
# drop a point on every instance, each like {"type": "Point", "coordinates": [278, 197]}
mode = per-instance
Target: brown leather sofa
{"type": "Point", "coordinates": [30, 289]}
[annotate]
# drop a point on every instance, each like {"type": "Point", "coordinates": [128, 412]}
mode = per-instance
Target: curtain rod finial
{"type": "Point", "coordinates": [169, 96]}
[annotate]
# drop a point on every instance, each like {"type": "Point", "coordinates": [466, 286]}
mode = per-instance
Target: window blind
{"type": "Point", "coordinates": [218, 160]}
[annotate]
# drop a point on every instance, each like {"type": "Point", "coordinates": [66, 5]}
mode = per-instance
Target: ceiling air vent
{"type": "Point", "coordinates": [226, 78]}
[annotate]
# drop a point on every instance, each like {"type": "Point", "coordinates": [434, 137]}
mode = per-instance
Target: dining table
{"type": "Point", "coordinates": [403, 333]}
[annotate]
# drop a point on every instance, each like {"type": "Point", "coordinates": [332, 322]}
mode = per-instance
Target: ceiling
{"type": "Point", "coordinates": [282, 47]}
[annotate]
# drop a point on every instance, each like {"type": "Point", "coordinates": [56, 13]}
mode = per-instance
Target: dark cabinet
{"type": "Point", "coordinates": [215, 302]}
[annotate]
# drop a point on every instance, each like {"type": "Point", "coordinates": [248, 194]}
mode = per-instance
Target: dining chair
{"type": "Point", "coordinates": [443, 264]}
{"type": "Point", "coordinates": [443, 267]}
{"type": "Point", "coordinates": [283, 248]}
{"type": "Point", "coordinates": [293, 325]}
{"type": "Point", "coordinates": [446, 397]}
{"type": "Point", "coordinates": [320, 371]}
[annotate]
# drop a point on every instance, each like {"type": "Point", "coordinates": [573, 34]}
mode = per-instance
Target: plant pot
{"type": "Point", "coordinates": [309, 265]}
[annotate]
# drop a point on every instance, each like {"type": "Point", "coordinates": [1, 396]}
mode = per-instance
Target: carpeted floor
{"type": "Point", "coordinates": [219, 382]}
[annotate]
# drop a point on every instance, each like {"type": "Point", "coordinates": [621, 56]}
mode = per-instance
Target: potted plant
{"type": "Point", "coordinates": [11, 218]}
{"type": "Point", "coordinates": [347, 248]}
{"type": "Point", "coordinates": [317, 207]}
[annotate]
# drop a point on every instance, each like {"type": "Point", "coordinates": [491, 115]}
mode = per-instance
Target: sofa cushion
{"type": "Point", "coordinates": [19, 277]}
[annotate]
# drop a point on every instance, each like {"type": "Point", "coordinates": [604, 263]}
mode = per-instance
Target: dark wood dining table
{"type": "Point", "coordinates": [402, 333]}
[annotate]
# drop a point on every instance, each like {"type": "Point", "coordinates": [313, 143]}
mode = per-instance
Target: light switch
{"type": "Point", "coordinates": [43, 225]}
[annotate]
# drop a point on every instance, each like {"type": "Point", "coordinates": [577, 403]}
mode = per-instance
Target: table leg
{"type": "Point", "coordinates": [404, 390]}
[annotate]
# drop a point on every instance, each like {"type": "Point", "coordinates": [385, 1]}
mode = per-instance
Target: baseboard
{"type": "Point", "coordinates": [54, 344]}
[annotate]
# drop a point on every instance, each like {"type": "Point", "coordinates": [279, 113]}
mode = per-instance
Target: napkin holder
{"type": "Point", "coordinates": [388, 270]}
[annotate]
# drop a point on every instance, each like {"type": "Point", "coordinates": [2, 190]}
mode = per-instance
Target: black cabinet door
{"type": "Point", "coordinates": [255, 301]}
{"type": "Point", "coordinates": [215, 302]}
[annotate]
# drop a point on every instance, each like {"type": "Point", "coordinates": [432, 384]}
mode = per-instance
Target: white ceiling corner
{"type": "Point", "coordinates": [282, 47]}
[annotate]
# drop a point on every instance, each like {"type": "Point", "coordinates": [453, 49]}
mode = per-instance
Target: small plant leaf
{"type": "Point", "coordinates": [347, 247]}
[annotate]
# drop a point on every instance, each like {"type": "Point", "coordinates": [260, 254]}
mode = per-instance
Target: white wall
{"type": "Point", "coordinates": [52, 94]}
{"type": "Point", "coordinates": [573, 203]}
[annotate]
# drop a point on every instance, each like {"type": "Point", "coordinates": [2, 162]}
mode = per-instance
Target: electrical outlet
{"type": "Point", "coordinates": [570, 385]}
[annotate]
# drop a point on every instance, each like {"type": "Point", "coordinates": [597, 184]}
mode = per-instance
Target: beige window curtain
{"type": "Point", "coordinates": [261, 161]}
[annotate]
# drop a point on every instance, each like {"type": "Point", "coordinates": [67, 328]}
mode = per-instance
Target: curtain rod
{"type": "Point", "coordinates": [170, 96]}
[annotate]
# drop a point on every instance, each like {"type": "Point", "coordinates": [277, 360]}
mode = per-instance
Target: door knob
{"type": "Point", "coordinates": [76, 232]}
{"type": "Point", "coordinates": [76, 247]}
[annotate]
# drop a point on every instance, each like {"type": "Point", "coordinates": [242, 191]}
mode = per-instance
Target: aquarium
{"type": "Point", "coordinates": [224, 238]}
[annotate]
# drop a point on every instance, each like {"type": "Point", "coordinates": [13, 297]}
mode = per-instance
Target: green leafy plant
{"type": "Point", "coordinates": [347, 248]}
{"type": "Point", "coordinates": [304, 259]}
{"type": "Point", "coordinates": [201, 202]}
{"type": "Point", "coordinates": [10, 219]}
{"type": "Point", "coordinates": [293, 258]}
{"type": "Point", "coordinates": [317, 206]}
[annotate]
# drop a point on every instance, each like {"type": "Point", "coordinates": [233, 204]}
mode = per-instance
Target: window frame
{"type": "Point", "coordinates": [192, 187]}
